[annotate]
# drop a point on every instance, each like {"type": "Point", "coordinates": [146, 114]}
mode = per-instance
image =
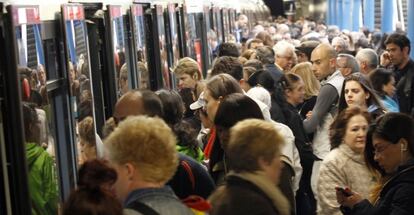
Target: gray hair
{"type": "Point", "coordinates": [351, 62]}
{"type": "Point", "coordinates": [283, 47]}
{"type": "Point", "coordinates": [368, 55]}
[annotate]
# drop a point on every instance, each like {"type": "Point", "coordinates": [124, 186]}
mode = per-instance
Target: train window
{"type": "Point", "coordinates": [118, 49]}
{"type": "Point", "coordinates": [140, 46]}
{"type": "Point", "coordinates": [172, 36]}
{"type": "Point", "coordinates": [79, 75]}
{"type": "Point", "coordinates": [163, 47]}
{"type": "Point", "coordinates": [32, 74]}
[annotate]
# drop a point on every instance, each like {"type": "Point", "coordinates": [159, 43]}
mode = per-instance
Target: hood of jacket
{"type": "Point", "coordinates": [33, 151]}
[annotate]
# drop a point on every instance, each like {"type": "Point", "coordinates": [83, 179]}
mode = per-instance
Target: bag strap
{"type": "Point", "coordinates": [189, 172]}
{"type": "Point", "coordinates": [142, 208]}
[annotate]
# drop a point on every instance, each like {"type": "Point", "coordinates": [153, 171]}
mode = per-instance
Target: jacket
{"type": "Point", "coordinates": [344, 168]}
{"type": "Point", "coordinates": [248, 193]}
{"type": "Point", "coordinates": [404, 87]}
{"type": "Point", "coordinates": [396, 197]}
{"type": "Point", "coordinates": [42, 180]}
{"type": "Point", "coordinates": [191, 178]}
{"type": "Point", "coordinates": [162, 200]}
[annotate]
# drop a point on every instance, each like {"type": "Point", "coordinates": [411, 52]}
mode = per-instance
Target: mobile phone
{"type": "Point", "coordinates": [343, 191]}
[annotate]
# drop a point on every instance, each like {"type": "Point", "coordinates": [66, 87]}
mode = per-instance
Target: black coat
{"type": "Point", "coordinates": [239, 197]}
{"type": "Point", "coordinates": [397, 196]}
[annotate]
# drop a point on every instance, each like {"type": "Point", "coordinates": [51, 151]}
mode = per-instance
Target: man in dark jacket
{"type": "Point", "coordinates": [267, 56]}
{"type": "Point", "coordinates": [398, 51]}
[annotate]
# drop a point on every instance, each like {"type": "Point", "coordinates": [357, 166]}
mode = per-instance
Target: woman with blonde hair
{"type": "Point", "coordinates": [312, 86]}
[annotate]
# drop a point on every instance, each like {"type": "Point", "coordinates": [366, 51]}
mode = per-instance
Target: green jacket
{"type": "Point", "coordinates": [197, 155]}
{"type": "Point", "coordinates": [42, 180]}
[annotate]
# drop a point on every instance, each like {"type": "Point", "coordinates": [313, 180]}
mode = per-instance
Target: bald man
{"type": "Point", "coordinates": [318, 121]}
{"type": "Point", "coordinates": [138, 102]}
{"type": "Point", "coordinates": [323, 60]}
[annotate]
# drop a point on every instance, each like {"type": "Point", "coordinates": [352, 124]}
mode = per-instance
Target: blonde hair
{"type": "Point", "coordinates": [250, 140]}
{"type": "Point", "coordinates": [147, 143]}
{"type": "Point", "coordinates": [190, 67]}
{"type": "Point", "coordinates": [312, 85]}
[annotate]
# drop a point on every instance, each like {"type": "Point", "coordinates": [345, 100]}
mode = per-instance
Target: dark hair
{"type": "Point", "coordinates": [186, 136]}
{"type": "Point", "coordinates": [91, 197]}
{"type": "Point", "coordinates": [338, 127]}
{"type": "Point", "coordinates": [380, 77]}
{"type": "Point", "coordinates": [30, 120]}
{"type": "Point", "coordinates": [228, 49]}
{"type": "Point", "coordinates": [84, 109]}
{"type": "Point", "coordinates": [257, 64]}
{"type": "Point", "coordinates": [391, 127]}
{"type": "Point", "coordinates": [173, 106]}
{"type": "Point", "coordinates": [366, 86]}
{"type": "Point", "coordinates": [265, 54]}
{"type": "Point", "coordinates": [152, 103]}
{"type": "Point", "coordinates": [262, 78]}
{"type": "Point", "coordinates": [187, 96]}
{"type": "Point", "coordinates": [234, 108]}
{"type": "Point", "coordinates": [286, 82]}
{"type": "Point", "coordinates": [399, 40]}
{"type": "Point", "coordinates": [229, 65]}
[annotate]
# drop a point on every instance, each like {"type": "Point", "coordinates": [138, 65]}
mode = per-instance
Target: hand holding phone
{"type": "Point", "coordinates": [344, 191]}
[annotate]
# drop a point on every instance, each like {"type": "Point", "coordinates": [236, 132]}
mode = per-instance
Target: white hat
{"type": "Point", "coordinates": [199, 103]}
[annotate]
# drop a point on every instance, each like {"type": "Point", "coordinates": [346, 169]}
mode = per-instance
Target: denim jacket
{"type": "Point", "coordinates": [162, 200]}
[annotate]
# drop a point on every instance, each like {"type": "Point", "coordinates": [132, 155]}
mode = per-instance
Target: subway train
{"type": "Point", "coordinates": [75, 59]}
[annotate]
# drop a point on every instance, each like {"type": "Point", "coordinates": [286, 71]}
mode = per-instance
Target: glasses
{"type": "Point", "coordinates": [380, 149]}
{"type": "Point", "coordinates": [288, 58]}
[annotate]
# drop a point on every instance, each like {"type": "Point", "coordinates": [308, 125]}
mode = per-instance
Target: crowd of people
{"type": "Point", "coordinates": [297, 118]}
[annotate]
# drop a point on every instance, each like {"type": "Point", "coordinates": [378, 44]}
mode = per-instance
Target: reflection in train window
{"type": "Point", "coordinates": [141, 52]}
{"type": "Point", "coordinates": [36, 114]}
{"type": "Point", "coordinates": [79, 75]}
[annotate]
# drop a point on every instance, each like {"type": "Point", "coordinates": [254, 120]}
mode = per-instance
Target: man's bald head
{"type": "Point", "coordinates": [138, 102]}
{"type": "Point", "coordinates": [323, 60]}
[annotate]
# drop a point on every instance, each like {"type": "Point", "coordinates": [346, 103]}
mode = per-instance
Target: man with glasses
{"type": "Point", "coordinates": [347, 64]}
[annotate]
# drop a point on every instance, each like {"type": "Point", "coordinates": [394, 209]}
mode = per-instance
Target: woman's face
{"type": "Point", "coordinates": [295, 96]}
{"type": "Point", "coordinates": [211, 105]}
{"type": "Point", "coordinates": [387, 155]}
{"type": "Point", "coordinates": [389, 88]}
{"type": "Point", "coordinates": [356, 133]}
{"type": "Point", "coordinates": [88, 152]}
{"type": "Point", "coordinates": [355, 95]}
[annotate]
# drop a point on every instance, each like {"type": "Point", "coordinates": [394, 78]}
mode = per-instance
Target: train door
{"type": "Point", "coordinates": [14, 183]}
{"type": "Point", "coordinates": [139, 41]}
{"type": "Point", "coordinates": [96, 37]}
{"type": "Point", "coordinates": [173, 45]}
{"type": "Point", "coordinates": [232, 21]}
{"type": "Point", "coordinates": [156, 47]}
{"type": "Point", "coordinates": [226, 25]}
{"type": "Point", "coordinates": [79, 75]}
{"type": "Point", "coordinates": [193, 28]}
{"type": "Point", "coordinates": [118, 51]}
{"type": "Point", "coordinates": [217, 24]}
{"type": "Point", "coordinates": [40, 98]}
{"type": "Point", "coordinates": [211, 36]}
